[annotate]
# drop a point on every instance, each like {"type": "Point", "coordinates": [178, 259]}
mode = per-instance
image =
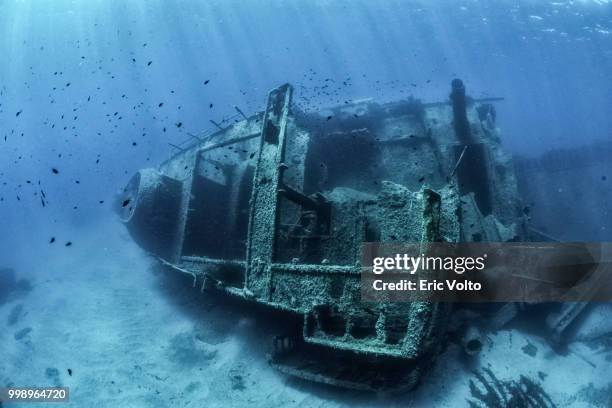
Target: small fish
{"type": "Point", "coordinates": [52, 240]}
{"type": "Point", "coordinates": [149, 63]}
{"type": "Point", "coordinates": [68, 243]}
{"type": "Point", "coordinates": [206, 82]}
{"type": "Point", "coordinates": [55, 171]}
{"type": "Point", "coordinates": [126, 202]}
{"type": "Point", "coordinates": [19, 113]}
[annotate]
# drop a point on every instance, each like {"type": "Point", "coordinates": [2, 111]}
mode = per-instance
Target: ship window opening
{"type": "Point", "coordinates": [331, 321]}
{"type": "Point", "coordinates": [363, 326]}
{"type": "Point", "coordinates": [218, 214]}
{"type": "Point", "coordinates": [343, 159]}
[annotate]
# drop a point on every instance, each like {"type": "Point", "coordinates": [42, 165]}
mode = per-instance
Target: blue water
{"type": "Point", "coordinates": [98, 89]}
{"type": "Point", "coordinates": [79, 74]}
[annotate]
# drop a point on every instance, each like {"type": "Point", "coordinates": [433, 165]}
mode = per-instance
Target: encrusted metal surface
{"type": "Point", "coordinates": [275, 208]}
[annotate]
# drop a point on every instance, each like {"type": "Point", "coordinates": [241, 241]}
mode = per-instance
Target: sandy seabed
{"type": "Point", "coordinates": [101, 319]}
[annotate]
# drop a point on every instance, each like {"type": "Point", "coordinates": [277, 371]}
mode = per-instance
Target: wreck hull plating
{"type": "Point", "coordinates": [275, 207]}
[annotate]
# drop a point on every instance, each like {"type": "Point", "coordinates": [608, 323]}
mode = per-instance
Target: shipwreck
{"type": "Point", "coordinates": [274, 207]}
